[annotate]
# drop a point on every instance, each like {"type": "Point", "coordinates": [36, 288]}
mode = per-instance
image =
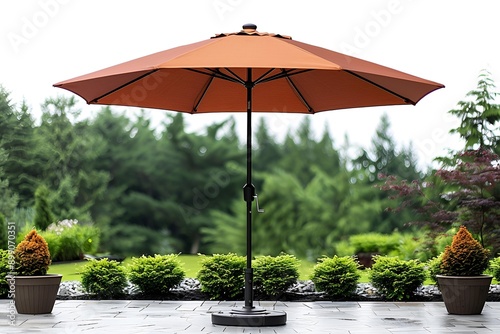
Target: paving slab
{"type": "Point", "coordinates": [152, 316]}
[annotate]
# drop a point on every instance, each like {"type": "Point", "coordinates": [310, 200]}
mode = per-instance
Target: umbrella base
{"type": "Point", "coordinates": [254, 317]}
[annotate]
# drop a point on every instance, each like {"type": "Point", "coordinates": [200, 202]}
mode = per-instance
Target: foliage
{"type": "Point", "coordinates": [106, 279]}
{"type": "Point", "coordinates": [374, 243]}
{"type": "Point", "coordinates": [155, 275]}
{"type": "Point", "coordinates": [397, 279]}
{"type": "Point", "coordinates": [111, 170]}
{"type": "Point", "coordinates": [43, 211]}
{"type": "Point", "coordinates": [4, 271]}
{"type": "Point", "coordinates": [69, 240]}
{"type": "Point", "coordinates": [32, 255]}
{"type": "Point", "coordinates": [274, 275]}
{"type": "Point", "coordinates": [16, 162]}
{"type": "Point", "coordinates": [475, 183]}
{"type": "Point", "coordinates": [72, 240]}
{"type": "Point", "coordinates": [222, 276]}
{"type": "Point", "coordinates": [470, 197]}
{"type": "Point", "coordinates": [495, 268]}
{"type": "Point", "coordinates": [465, 256]}
{"type": "Point", "coordinates": [434, 267]}
{"type": "Point", "coordinates": [337, 276]}
{"type": "Point", "coordinates": [3, 232]}
{"type": "Point", "coordinates": [465, 190]}
{"type": "Point", "coordinates": [479, 116]}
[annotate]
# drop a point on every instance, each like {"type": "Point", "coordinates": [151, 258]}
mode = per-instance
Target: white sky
{"type": "Point", "coordinates": [448, 41]}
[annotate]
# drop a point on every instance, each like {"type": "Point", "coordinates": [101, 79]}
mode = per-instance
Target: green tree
{"type": "Point", "coordinates": [16, 139]}
{"type": "Point", "coordinates": [65, 157]}
{"type": "Point", "coordinates": [43, 211]}
{"type": "Point", "coordinates": [465, 190]}
{"type": "Point", "coordinates": [369, 168]}
{"type": "Point", "coordinates": [302, 151]}
{"type": "Point", "coordinates": [204, 175]}
{"type": "Point", "coordinates": [479, 116]}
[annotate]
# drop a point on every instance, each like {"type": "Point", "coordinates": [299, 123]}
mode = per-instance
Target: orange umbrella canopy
{"type": "Point", "coordinates": [212, 76]}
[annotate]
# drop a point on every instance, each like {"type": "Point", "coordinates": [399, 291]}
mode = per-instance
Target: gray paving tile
{"type": "Point", "coordinates": [140, 316]}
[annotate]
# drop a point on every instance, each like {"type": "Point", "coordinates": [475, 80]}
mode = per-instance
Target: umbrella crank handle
{"type": "Point", "coordinates": [259, 210]}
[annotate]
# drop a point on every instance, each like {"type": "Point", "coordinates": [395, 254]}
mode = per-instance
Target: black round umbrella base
{"type": "Point", "coordinates": [249, 318]}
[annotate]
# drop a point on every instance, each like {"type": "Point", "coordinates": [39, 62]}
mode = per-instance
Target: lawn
{"type": "Point", "coordinates": [191, 264]}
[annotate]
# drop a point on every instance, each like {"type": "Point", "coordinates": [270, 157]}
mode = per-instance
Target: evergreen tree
{"type": "Point", "coordinates": [43, 211]}
{"type": "Point", "coordinates": [65, 155]}
{"type": "Point", "coordinates": [16, 139]}
{"type": "Point", "coordinates": [8, 199]}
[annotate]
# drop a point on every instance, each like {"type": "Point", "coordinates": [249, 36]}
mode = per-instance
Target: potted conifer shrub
{"type": "Point", "coordinates": [463, 286]}
{"type": "Point", "coordinates": [35, 290]}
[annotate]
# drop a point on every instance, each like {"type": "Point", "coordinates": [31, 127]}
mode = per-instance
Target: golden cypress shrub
{"type": "Point", "coordinates": [465, 256]}
{"type": "Point", "coordinates": [32, 255]}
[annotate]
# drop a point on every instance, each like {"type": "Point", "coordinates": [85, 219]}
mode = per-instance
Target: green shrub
{"type": "Point", "coordinates": [43, 211]}
{"type": "Point", "coordinates": [411, 247]}
{"type": "Point", "coordinates": [375, 243]}
{"type": "Point", "coordinates": [156, 275]}
{"type": "Point", "coordinates": [495, 268]}
{"type": "Point", "coordinates": [344, 248]}
{"type": "Point", "coordinates": [53, 241]}
{"type": "Point", "coordinates": [274, 275]}
{"type": "Point", "coordinates": [337, 276]}
{"type": "Point", "coordinates": [397, 279]}
{"type": "Point", "coordinates": [104, 278]}
{"type": "Point", "coordinates": [3, 233]}
{"type": "Point", "coordinates": [72, 240]}
{"type": "Point", "coordinates": [4, 271]}
{"type": "Point", "coordinates": [222, 276]}
{"type": "Point", "coordinates": [434, 267]}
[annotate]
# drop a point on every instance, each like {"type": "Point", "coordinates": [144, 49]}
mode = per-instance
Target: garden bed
{"type": "Point", "coordinates": [303, 291]}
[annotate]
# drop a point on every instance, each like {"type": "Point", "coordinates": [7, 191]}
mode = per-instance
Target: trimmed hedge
{"type": "Point", "coordinates": [155, 275]}
{"type": "Point", "coordinates": [222, 276]}
{"type": "Point", "coordinates": [336, 276]}
{"type": "Point", "coordinates": [106, 279]}
{"type": "Point", "coordinates": [274, 275]}
{"type": "Point", "coordinates": [397, 279]}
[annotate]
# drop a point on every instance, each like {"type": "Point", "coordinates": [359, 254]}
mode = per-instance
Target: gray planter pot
{"type": "Point", "coordinates": [464, 294]}
{"type": "Point", "coordinates": [36, 294]}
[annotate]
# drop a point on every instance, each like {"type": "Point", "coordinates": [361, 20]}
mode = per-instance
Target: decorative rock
{"type": "Point", "coordinates": [190, 288]}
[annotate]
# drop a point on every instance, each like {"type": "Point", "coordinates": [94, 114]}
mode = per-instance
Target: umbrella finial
{"type": "Point", "coordinates": [249, 27]}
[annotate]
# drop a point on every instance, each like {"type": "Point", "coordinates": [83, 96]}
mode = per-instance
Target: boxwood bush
{"type": "Point", "coordinates": [434, 267]}
{"type": "Point", "coordinates": [103, 278]}
{"type": "Point", "coordinates": [222, 276]}
{"type": "Point", "coordinates": [397, 279]}
{"type": "Point", "coordinates": [375, 243]}
{"type": "Point", "coordinates": [495, 268]}
{"type": "Point", "coordinates": [156, 275]}
{"type": "Point", "coordinates": [274, 275]}
{"type": "Point", "coordinates": [337, 276]}
{"type": "Point", "coordinates": [4, 271]}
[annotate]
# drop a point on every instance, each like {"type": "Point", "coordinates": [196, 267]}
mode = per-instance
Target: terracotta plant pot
{"type": "Point", "coordinates": [36, 294]}
{"type": "Point", "coordinates": [464, 294]}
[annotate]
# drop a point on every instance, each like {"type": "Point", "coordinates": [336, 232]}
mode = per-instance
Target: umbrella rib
{"type": "Point", "coordinates": [284, 73]}
{"type": "Point", "coordinates": [120, 87]}
{"type": "Point", "coordinates": [405, 99]}
{"type": "Point", "coordinates": [216, 74]}
{"type": "Point", "coordinates": [236, 76]}
{"type": "Point", "coordinates": [195, 109]}
{"type": "Point", "coordinates": [263, 76]}
{"type": "Point", "coordinates": [308, 106]}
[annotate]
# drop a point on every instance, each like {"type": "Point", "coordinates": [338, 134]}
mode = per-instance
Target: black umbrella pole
{"type": "Point", "coordinates": [248, 195]}
{"type": "Point", "coordinates": [249, 315]}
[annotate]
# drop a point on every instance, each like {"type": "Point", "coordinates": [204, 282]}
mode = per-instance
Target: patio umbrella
{"type": "Point", "coordinates": [249, 71]}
